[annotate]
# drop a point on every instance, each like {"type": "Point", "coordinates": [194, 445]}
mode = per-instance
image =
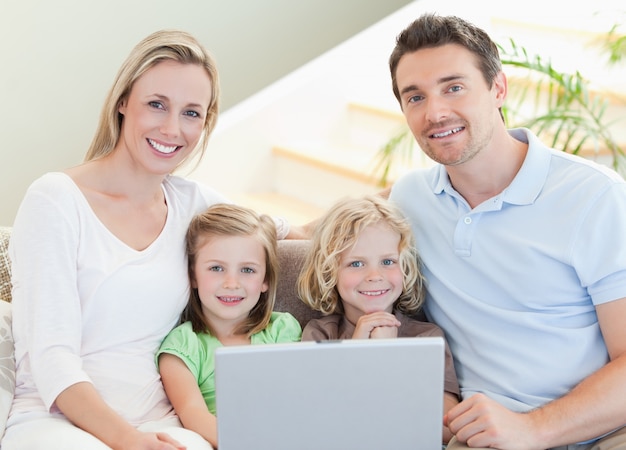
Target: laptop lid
{"type": "Point", "coordinates": [352, 394]}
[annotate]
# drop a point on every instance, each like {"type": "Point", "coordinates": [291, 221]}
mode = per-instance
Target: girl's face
{"type": "Point", "coordinates": [164, 115]}
{"type": "Point", "coordinates": [229, 273]}
{"type": "Point", "coordinates": [369, 276]}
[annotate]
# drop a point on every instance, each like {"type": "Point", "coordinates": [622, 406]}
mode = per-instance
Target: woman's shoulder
{"type": "Point", "coordinates": [52, 182]}
{"type": "Point", "coordinates": [181, 187]}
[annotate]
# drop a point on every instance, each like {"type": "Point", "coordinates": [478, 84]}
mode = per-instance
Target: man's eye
{"type": "Point", "coordinates": [415, 99]}
{"type": "Point", "coordinates": [455, 88]}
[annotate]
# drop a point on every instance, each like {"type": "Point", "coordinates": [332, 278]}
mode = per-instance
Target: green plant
{"type": "Point", "coordinates": [564, 111]}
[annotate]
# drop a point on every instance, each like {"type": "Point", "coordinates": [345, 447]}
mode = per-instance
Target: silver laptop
{"type": "Point", "coordinates": [333, 395]}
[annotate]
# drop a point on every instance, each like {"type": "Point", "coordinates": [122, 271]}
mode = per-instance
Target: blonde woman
{"type": "Point", "coordinates": [99, 264]}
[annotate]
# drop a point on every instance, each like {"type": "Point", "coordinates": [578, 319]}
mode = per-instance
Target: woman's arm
{"type": "Point", "coordinates": [84, 407]}
{"type": "Point", "coordinates": [182, 389]}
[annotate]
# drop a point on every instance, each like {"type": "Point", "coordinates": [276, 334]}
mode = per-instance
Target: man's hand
{"type": "Point", "coordinates": [482, 422]}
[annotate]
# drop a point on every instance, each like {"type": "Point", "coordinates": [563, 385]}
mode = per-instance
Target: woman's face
{"type": "Point", "coordinates": [164, 115]}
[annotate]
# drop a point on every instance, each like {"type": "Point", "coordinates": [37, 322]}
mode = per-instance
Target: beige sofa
{"type": "Point", "coordinates": [291, 254]}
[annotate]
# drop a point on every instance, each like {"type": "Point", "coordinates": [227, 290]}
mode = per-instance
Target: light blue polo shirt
{"type": "Point", "coordinates": [513, 282]}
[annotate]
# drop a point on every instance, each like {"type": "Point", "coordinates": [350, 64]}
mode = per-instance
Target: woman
{"type": "Point", "coordinates": [99, 264]}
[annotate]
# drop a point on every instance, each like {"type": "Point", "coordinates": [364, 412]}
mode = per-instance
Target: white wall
{"type": "Point", "coordinates": [59, 58]}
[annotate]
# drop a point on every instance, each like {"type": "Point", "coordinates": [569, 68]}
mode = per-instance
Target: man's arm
{"type": "Point", "coordinates": [594, 407]}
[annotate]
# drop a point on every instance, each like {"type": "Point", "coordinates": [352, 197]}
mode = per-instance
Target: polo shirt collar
{"type": "Point", "coordinates": [529, 181]}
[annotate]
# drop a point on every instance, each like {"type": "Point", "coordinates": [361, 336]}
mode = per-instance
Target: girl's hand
{"type": "Point", "coordinates": [370, 322]}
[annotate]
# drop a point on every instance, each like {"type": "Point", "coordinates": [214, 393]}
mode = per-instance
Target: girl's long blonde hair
{"type": "Point", "coordinates": [230, 220]}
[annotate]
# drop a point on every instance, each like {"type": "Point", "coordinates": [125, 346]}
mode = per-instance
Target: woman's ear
{"type": "Point", "coordinates": [122, 107]}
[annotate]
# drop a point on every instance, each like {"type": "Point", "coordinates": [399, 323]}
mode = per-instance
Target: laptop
{"type": "Point", "coordinates": [331, 395]}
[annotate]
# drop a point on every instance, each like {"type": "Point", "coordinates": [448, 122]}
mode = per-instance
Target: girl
{"type": "Point", "coordinates": [233, 266]}
{"type": "Point", "coordinates": [363, 273]}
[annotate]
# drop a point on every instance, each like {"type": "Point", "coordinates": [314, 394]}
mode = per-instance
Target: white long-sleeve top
{"type": "Point", "coordinates": [87, 307]}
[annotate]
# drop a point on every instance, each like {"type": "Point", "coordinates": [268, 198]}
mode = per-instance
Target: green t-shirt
{"type": "Point", "coordinates": [197, 351]}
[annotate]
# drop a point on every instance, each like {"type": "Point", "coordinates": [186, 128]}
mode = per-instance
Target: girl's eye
{"type": "Point", "coordinates": [216, 268]}
{"type": "Point", "coordinates": [356, 264]}
{"type": "Point", "coordinates": [157, 105]}
{"type": "Point", "coordinates": [388, 262]}
{"type": "Point", "coordinates": [247, 270]}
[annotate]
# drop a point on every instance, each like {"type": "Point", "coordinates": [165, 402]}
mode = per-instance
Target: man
{"type": "Point", "coordinates": [524, 251]}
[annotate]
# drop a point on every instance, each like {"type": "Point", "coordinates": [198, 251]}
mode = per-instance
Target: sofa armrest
{"type": "Point", "coordinates": [5, 267]}
{"type": "Point", "coordinates": [7, 364]}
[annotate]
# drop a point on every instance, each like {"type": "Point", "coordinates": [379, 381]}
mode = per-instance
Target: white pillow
{"type": "Point", "coordinates": [7, 364]}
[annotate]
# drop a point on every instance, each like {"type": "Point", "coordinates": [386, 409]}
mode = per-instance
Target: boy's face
{"type": "Point", "coordinates": [370, 277]}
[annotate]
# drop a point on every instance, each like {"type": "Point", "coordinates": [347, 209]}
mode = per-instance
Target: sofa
{"type": "Point", "coordinates": [290, 252]}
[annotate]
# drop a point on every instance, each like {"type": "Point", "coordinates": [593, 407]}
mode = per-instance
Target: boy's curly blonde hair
{"type": "Point", "coordinates": [338, 231]}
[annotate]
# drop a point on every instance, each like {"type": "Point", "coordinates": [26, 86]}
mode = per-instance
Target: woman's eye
{"type": "Point", "coordinates": [192, 113]}
{"type": "Point", "coordinates": [157, 105]}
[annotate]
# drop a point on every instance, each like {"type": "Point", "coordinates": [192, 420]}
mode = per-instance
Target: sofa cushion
{"type": "Point", "coordinates": [290, 256]}
{"type": "Point", "coordinates": [7, 364]}
{"type": "Point", "coordinates": [5, 268]}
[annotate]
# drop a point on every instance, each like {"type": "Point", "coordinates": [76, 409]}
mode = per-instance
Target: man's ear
{"type": "Point", "coordinates": [500, 88]}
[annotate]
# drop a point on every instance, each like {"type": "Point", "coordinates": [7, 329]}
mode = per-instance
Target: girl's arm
{"type": "Point", "coordinates": [84, 407]}
{"type": "Point", "coordinates": [182, 389]}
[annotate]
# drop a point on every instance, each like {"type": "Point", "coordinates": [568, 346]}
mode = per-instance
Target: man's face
{"type": "Point", "coordinates": [447, 103]}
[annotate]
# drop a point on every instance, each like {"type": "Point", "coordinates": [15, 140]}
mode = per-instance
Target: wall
{"type": "Point", "coordinates": [59, 58]}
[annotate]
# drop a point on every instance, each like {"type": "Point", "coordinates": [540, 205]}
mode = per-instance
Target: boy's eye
{"type": "Point", "coordinates": [356, 264]}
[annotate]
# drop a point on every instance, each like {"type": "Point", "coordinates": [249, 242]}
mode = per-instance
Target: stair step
{"type": "Point", "coordinates": [296, 211]}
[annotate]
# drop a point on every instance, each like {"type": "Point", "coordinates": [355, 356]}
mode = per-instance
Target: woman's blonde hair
{"type": "Point", "coordinates": [231, 220]}
{"type": "Point", "coordinates": [338, 231]}
{"type": "Point", "coordinates": [164, 45]}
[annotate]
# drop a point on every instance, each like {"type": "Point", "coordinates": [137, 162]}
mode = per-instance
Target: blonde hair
{"type": "Point", "coordinates": [164, 45]}
{"type": "Point", "coordinates": [337, 231]}
{"type": "Point", "coordinates": [231, 220]}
